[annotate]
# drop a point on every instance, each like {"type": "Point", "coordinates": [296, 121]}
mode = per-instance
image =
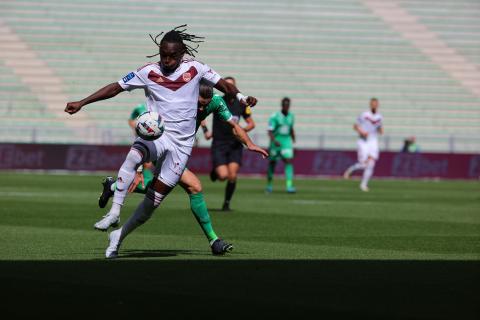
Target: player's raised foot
{"type": "Point", "coordinates": [220, 247]}
{"type": "Point", "coordinates": [108, 220]}
{"type": "Point", "coordinates": [346, 174]}
{"type": "Point", "coordinates": [364, 188]}
{"type": "Point", "coordinates": [107, 192]}
{"type": "Point", "coordinates": [269, 189]}
{"type": "Point", "coordinates": [213, 175]}
{"type": "Point", "coordinates": [291, 190]}
{"type": "Point", "coordinates": [113, 245]}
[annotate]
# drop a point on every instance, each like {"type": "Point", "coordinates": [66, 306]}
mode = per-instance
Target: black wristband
{"type": "Point", "coordinates": [204, 129]}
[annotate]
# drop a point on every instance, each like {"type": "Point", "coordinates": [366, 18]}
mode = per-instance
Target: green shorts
{"type": "Point", "coordinates": [280, 152]}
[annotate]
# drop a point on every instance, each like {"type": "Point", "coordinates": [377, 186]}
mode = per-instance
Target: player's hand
{"type": "Point", "coordinates": [255, 148]}
{"type": "Point", "coordinates": [208, 135]}
{"type": "Point", "coordinates": [275, 142]}
{"type": "Point", "coordinates": [250, 101]}
{"type": "Point", "coordinates": [136, 181]}
{"type": "Point", "coordinates": [73, 107]}
{"type": "Point", "coordinates": [364, 134]}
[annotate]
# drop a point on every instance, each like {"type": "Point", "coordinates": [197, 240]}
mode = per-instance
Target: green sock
{"type": "Point", "coordinates": [289, 174]}
{"type": "Point", "coordinates": [147, 180]}
{"type": "Point", "coordinates": [200, 211]}
{"type": "Point", "coordinates": [270, 172]}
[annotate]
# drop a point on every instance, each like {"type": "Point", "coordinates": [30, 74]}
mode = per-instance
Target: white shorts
{"type": "Point", "coordinates": [366, 149]}
{"type": "Point", "coordinates": [171, 156]}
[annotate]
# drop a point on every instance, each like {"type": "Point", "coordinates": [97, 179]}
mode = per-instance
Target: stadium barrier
{"type": "Point", "coordinates": [307, 162]}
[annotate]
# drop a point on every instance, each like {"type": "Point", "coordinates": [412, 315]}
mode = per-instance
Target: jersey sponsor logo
{"type": "Point", "coordinates": [176, 84]}
{"type": "Point", "coordinates": [128, 77]}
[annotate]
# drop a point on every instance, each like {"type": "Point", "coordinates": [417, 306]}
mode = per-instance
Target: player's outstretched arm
{"type": "Point", "coordinates": [232, 90]}
{"type": "Point", "coordinates": [107, 92]}
{"type": "Point", "coordinates": [243, 137]}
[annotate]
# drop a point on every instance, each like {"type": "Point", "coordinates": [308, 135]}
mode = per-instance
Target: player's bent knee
{"type": "Point", "coordinates": [194, 188]}
{"type": "Point", "coordinates": [147, 150]}
{"type": "Point", "coordinates": [222, 176]}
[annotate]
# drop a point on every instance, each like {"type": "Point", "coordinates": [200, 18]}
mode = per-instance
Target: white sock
{"type": "Point", "coordinates": [125, 177]}
{"type": "Point", "coordinates": [143, 212]}
{"type": "Point", "coordinates": [368, 172]}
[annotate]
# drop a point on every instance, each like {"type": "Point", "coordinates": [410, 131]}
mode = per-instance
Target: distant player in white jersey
{"type": "Point", "coordinates": [368, 126]}
{"type": "Point", "coordinates": [171, 87]}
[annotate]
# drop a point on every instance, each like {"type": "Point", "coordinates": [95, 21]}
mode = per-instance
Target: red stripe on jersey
{"type": "Point", "coordinates": [176, 84]}
{"type": "Point", "coordinates": [372, 121]}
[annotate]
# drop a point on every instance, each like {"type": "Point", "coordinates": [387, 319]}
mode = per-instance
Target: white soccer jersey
{"type": "Point", "coordinates": [370, 123]}
{"type": "Point", "coordinates": [174, 96]}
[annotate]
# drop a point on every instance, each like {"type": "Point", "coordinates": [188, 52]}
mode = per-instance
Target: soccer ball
{"type": "Point", "coordinates": [150, 126]}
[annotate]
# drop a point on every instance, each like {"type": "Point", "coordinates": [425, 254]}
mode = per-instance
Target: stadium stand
{"type": "Point", "coordinates": [329, 56]}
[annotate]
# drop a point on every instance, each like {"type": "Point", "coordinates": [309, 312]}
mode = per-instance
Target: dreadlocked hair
{"type": "Point", "coordinates": [178, 35]}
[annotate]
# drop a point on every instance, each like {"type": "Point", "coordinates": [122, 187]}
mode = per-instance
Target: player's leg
{"type": "Point", "coordinates": [361, 164]}
{"type": "Point", "coordinates": [155, 195]}
{"type": "Point", "coordinates": [235, 155]}
{"type": "Point", "coordinates": [192, 185]}
{"type": "Point", "coordinates": [270, 172]}
{"type": "Point", "coordinates": [367, 174]}
{"type": "Point", "coordinates": [171, 164]}
{"type": "Point", "coordinates": [141, 151]}
{"type": "Point", "coordinates": [289, 176]}
{"type": "Point", "coordinates": [287, 156]}
{"type": "Point", "coordinates": [221, 172]}
{"type": "Point", "coordinates": [219, 162]}
{"type": "Point", "coordinates": [373, 154]}
{"type": "Point", "coordinates": [109, 185]}
{"type": "Point", "coordinates": [233, 168]}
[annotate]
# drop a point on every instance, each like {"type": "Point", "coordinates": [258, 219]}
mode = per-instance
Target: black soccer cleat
{"type": "Point", "coordinates": [213, 175]}
{"type": "Point", "coordinates": [107, 192]}
{"type": "Point", "coordinates": [220, 247]}
{"type": "Point", "coordinates": [226, 206]}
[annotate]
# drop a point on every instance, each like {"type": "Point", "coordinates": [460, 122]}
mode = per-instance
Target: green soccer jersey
{"type": "Point", "coordinates": [281, 127]}
{"type": "Point", "coordinates": [216, 106]}
{"type": "Point", "coordinates": [138, 110]}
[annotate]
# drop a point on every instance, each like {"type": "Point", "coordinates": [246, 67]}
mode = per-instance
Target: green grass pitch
{"type": "Point", "coordinates": [407, 249]}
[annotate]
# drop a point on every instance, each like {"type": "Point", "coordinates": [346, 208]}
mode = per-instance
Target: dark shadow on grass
{"type": "Point", "coordinates": [249, 289]}
{"type": "Point", "coordinates": [220, 210]}
{"type": "Point", "coordinates": [157, 253]}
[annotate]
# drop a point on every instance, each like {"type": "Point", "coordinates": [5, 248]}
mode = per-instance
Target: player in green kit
{"type": "Point", "coordinates": [208, 103]}
{"type": "Point", "coordinates": [138, 110]}
{"type": "Point", "coordinates": [282, 137]}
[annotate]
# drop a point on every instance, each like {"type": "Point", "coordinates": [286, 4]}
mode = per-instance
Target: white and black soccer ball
{"type": "Point", "coordinates": [150, 125]}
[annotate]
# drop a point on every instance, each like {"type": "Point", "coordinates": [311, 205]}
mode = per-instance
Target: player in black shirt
{"type": "Point", "coordinates": [226, 150]}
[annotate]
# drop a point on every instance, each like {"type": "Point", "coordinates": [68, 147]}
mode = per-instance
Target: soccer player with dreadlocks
{"type": "Point", "coordinates": [171, 87]}
{"type": "Point", "coordinates": [208, 103]}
